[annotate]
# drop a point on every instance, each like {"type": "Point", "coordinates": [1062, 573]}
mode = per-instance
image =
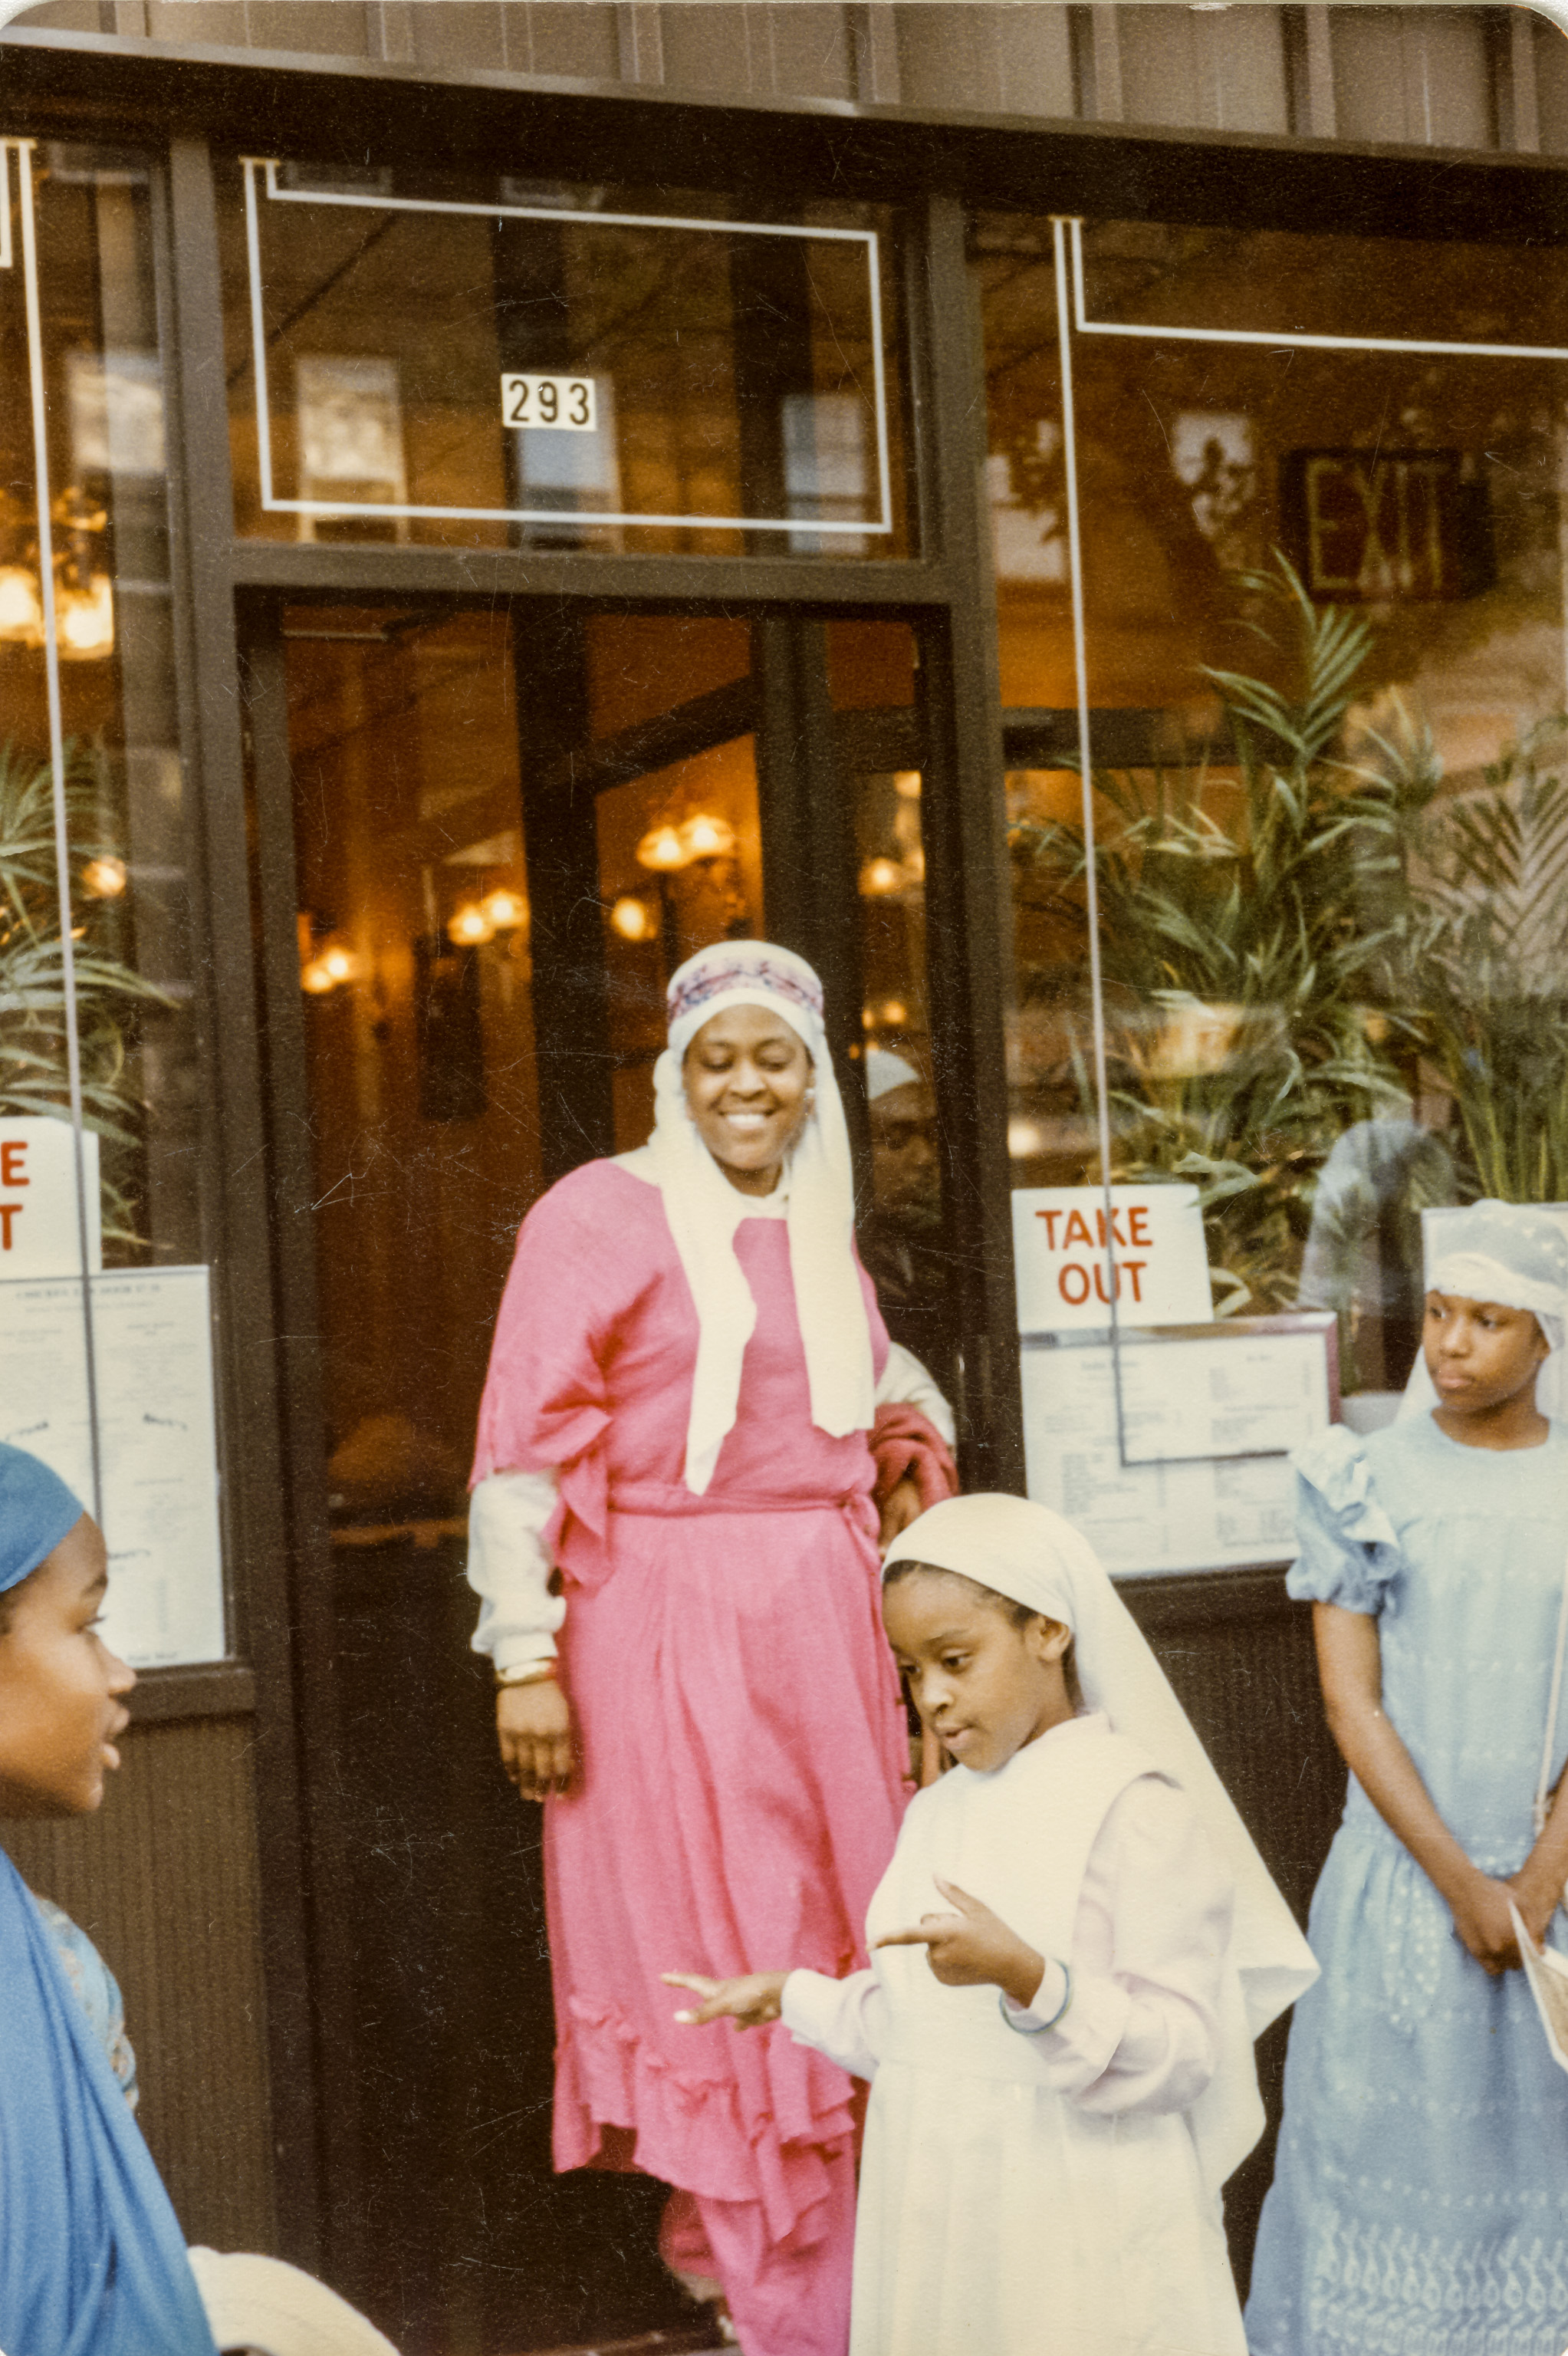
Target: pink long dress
{"type": "Point", "coordinates": [744, 1752]}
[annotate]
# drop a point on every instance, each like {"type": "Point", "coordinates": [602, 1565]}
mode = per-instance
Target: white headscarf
{"type": "Point", "coordinates": [1513, 1253]}
{"type": "Point", "coordinates": [704, 1209]}
{"type": "Point", "coordinates": [1032, 1556]}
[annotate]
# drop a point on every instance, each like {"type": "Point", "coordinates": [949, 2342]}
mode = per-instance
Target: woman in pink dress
{"type": "Point", "coordinates": [674, 1533]}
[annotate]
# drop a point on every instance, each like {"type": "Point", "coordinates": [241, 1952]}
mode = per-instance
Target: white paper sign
{"type": "Point", "coordinates": [1061, 1258]}
{"type": "Point", "coordinates": [1238, 1394]}
{"type": "Point", "coordinates": [157, 1442]}
{"type": "Point", "coordinates": [40, 1234]}
{"type": "Point", "coordinates": [1204, 1514]}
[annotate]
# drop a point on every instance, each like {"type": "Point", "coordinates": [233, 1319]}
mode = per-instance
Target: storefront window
{"type": "Point", "coordinates": [1324, 624]}
{"type": "Point", "coordinates": [475, 361]}
{"type": "Point", "coordinates": [99, 1093]}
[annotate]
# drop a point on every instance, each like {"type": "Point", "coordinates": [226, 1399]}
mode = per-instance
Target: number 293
{"type": "Point", "coordinates": [564, 405]}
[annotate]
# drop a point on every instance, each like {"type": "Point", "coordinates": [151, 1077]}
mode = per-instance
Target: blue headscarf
{"type": "Point", "coordinates": [92, 2260]}
{"type": "Point", "coordinates": [37, 1510]}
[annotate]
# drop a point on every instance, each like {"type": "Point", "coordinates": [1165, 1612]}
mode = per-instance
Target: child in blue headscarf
{"type": "Point", "coordinates": [92, 2260]}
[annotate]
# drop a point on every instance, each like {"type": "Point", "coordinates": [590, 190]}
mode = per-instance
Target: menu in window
{"type": "Point", "coordinates": [1203, 1481]}
{"type": "Point", "coordinates": [157, 1442]}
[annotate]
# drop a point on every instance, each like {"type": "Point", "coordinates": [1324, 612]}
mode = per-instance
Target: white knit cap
{"type": "Point", "coordinates": [704, 1209]}
{"type": "Point", "coordinates": [1031, 1556]}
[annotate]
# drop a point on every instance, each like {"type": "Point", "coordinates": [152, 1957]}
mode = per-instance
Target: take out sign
{"type": "Point", "coordinates": [40, 1234]}
{"type": "Point", "coordinates": [1060, 1255]}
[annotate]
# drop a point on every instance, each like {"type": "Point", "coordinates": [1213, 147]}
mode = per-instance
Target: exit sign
{"type": "Point", "coordinates": [1386, 527]}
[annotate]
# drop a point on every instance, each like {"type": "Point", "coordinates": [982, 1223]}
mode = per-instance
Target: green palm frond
{"type": "Point", "coordinates": [1276, 917]}
{"type": "Point", "coordinates": [111, 998]}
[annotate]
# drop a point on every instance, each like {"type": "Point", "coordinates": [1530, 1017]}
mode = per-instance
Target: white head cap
{"type": "Point", "coordinates": [885, 1072]}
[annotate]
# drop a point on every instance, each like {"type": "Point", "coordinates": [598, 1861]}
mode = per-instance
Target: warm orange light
{"type": "Point", "coordinates": [338, 963]}
{"type": "Point", "coordinates": [315, 978]}
{"type": "Point", "coordinates": [662, 849]}
{"type": "Point", "coordinates": [706, 837]}
{"type": "Point", "coordinates": [906, 785]}
{"type": "Point", "coordinates": [633, 918]}
{"type": "Point", "coordinates": [506, 911]}
{"type": "Point", "coordinates": [894, 1013]}
{"type": "Point", "coordinates": [84, 620]}
{"type": "Point", "coordinates": [104, 878]}
{"type": "Point", "coordinates": [21, 611]}
{"type": "Point", "coordinates": [879, 877]}
{"type": "Point", "coordinates": [470, 925]}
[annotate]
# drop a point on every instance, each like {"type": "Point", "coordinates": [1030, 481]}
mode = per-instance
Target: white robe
{"type": "Point", "coordinates": [1039, 2194]}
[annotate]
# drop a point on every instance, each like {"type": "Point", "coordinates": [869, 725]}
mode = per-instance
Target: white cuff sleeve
{"type": "Point", "coordinates": [843, 2019]}
{"type": "Point", "coordinates": [509, 1569]}
{"type": "Point", "coordinates": [905, 1382]}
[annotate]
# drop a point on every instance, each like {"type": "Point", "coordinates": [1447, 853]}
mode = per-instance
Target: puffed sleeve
{"type": "Point", "coordinates": [1350, 1548]}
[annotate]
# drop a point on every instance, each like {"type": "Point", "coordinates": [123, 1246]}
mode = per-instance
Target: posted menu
{"type": "Point", "coordinates": [157, 1441]}
{"type": "Point", "coordinates": [1207, 1419]}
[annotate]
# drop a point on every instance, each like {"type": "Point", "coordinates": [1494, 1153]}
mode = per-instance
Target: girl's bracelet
{"type": "Point", "coordinates": [1033, 2027]}
{"type": "Point", "coordinates": [532, 1673]}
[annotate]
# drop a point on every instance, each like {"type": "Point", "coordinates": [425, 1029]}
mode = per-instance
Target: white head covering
{"type": "Point", "coordinates": [1513, 1253]}
{"type": "Point", "coordinates": [704, 1209]}
{"type": "Point", "coordinates": [1030, 1554]}
{"type": "Point", "coordinates": [885, 1071]}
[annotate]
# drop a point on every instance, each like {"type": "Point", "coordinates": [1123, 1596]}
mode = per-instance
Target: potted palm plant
{"type": "Point", "coordinates": [110, 997]}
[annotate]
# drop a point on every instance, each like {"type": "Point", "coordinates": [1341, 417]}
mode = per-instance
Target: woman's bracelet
{"type": "Point", "coordinates": [532, 1673]}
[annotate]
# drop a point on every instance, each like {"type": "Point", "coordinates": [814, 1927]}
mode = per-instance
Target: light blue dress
{"type": "Point", "coordinates": [1420, 2200]}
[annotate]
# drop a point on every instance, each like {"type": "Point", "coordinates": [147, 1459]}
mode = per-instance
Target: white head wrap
{"type": "Point", "coordinates": [885, 1072]}
{"type": "Point", "coordinates": [1515, 1254]}
{"type": "Point", "coordinates": [1033, 1557]}
{"type": "Point", "coordinates": [704, 1209]}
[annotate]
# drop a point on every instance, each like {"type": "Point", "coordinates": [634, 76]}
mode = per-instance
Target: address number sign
{"type": "Point", "coordinates": [563, 404]}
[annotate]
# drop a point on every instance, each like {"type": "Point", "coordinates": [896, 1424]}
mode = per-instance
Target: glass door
{"type": "Point", "coordinates": [487, 838]}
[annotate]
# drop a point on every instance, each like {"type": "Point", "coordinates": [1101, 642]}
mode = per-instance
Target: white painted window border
{"type": "Point", "coordinates": [405, 511]}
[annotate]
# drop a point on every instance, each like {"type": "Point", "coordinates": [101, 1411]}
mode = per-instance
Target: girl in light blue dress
{"type": "Point", "coordinates": [1420, 2202]}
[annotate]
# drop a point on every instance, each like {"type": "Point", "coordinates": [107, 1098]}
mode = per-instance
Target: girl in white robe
{"type": "Point", "coordinates": [1075, 1945]}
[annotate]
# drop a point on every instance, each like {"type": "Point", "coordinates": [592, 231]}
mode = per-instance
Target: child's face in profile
{"type": "Point", "coordinates": [1478, 1353]}
{"type": "Point", "coordinates": [61, 1687]}
{"type": "Point", "coordinates": [986, 1684]}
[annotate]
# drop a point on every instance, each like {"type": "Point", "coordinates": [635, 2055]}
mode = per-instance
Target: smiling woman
{"type": "Point", "coordinates": [676, 1421]}
{"type": "Point", "coordinates": [748, 1087]}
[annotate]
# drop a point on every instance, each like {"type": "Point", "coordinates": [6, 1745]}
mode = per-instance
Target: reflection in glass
{"type": "Point", "coordinates": [903, 1233]}
{"type": "Point", "coordinates": [1325, 622]}
{"type": "Point", "coordinates": [415, 975]}
{"type": "Point", "coordinates": [446, 361]}
{"type": "Point", "coordinates": [124, 785]}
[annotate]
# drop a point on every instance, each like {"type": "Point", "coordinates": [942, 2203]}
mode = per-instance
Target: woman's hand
{"type": "Point", "coordinates": [534, 1723]}
{"type": "Point", "coordinates": [972, 1948]}
{"type": "Point", "coordinates": [750, 2001]}
{"type": "Point", "coordinates": [901, 1507]}
{"type": "Point", "coordinates": [1481, 1924]}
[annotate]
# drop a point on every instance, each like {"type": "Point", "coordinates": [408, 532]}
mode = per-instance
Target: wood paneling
{"type": "Point", "coordinates": [165, 1882]}
{"type": "Point", "coordinates": [1240, 1659]}
{"type": "Point", "coordinates": [1416, 76]}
